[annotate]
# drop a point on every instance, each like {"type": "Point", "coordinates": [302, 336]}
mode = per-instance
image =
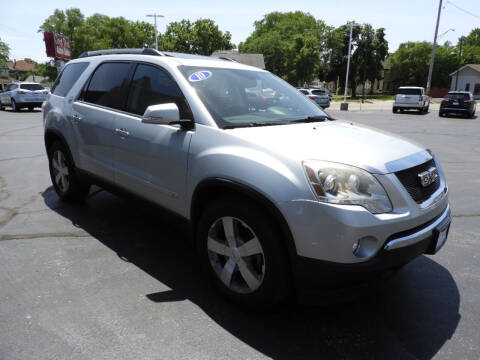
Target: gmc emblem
{"type": "Point", "coordinates": [428, 177]}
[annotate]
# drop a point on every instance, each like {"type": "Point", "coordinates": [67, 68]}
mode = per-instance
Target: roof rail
{"type": "Point", "coordinates": [143, 51]}
{"type": "Point", "coordinates": [227, 58]}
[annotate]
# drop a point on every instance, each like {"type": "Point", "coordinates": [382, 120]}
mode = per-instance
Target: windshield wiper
{"type": "Point", "coordinates": [255, 124]}
{"type": "Point", "coordinates": [310, 119]}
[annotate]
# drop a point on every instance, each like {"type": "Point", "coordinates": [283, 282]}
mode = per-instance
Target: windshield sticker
{"type": "Point", "coordinates": [199, 76]}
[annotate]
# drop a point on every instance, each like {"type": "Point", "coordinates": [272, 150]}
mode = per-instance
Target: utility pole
{"type": "Point", "coordinates": [434, 48]}
{"type": "Point", "coordinates": [459, 62]}
{"type": "Point", "coordinates": [155, 15]}
{"type": "Point", "coordinates": [344, 105]}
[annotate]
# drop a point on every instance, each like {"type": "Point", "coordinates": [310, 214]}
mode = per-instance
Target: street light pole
{"type": "Point", "coordinates": [344, 106]}
{"type": "Point", "coordinates": [434, 48]}
{"type": "Point", "coordinates": [155, 15]}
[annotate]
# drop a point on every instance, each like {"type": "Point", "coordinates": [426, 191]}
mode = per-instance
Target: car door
{"type": "Point", "coordinates": [151, 159]}
{"type": "Point", "coordinates": [93, 116]}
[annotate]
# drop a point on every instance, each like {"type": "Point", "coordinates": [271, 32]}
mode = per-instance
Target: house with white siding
{"type": "Point", "coordinates": [467, 78]}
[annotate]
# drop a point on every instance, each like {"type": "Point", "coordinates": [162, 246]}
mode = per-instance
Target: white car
{"type": "Point", "coordinates": [411, 98]}
{"type": "Point", "coordinates": [23, 95]}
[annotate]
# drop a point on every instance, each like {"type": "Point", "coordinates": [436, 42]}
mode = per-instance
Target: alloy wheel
{"type": "Point", "coordinates": [60, 171]}
{"type": "Point", "coordinates": [236, 255]}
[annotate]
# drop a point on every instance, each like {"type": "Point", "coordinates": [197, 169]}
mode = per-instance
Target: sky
{"type": "Point", "coordinates": [406, 20]}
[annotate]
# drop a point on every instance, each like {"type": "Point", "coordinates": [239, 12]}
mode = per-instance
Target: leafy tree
{"type": "Point", "coordinates": [202, 37]}
{"type": "Point", "coordinates": [409, 64]}
{"type": "Point", "coordinates": [4, 52]}
{"type": "Point", "coordinates": [470, 46]}
{"type": "Point", "coordinates": [291, 44]}
{"type": "Point", "coordinates": [369, 51]}
{"type": "Point", "coordinates": [98, 31]}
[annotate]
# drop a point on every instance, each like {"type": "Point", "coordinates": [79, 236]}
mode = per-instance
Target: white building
{"type": "Point", "coordinates": [467, 78]}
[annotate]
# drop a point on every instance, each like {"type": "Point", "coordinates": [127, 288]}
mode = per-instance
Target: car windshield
{"type": "Point", "coordinates": [31, 87]}
{"type": "Point", "coordinates": [239, 98]}
{"type": "Point", "coordinates": [458, 96]}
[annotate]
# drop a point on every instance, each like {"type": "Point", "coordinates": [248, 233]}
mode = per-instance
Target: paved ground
{"type": "Point", "coordinates": [384, 105]}
{"type": "Point", "coordinates": [113, 279]}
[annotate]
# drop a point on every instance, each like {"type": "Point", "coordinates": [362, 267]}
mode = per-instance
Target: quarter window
{"type": "Point", "coordinates": [153, 86]}
{"type": "Point", "coordinates": [108, 85]}
{"type": "Point", "coordinates": [67, 78]}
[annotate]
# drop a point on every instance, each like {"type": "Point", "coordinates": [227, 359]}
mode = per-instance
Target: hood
{"type": "Point", "coordinates": [339, 141]}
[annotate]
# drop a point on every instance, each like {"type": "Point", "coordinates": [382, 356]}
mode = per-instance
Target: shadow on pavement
{"type": "Point", "coordinates": [416, 312]}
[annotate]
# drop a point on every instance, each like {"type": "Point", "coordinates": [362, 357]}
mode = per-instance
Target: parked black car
{"type": "Point", "coordinates": [458, 102]}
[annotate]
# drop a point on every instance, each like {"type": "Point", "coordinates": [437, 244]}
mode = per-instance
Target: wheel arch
{"type": "Point", "coordinates": [213, 188]}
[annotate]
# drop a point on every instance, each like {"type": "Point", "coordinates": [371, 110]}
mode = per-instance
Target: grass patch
{"type": "Point", "coordinates": [368, 98]}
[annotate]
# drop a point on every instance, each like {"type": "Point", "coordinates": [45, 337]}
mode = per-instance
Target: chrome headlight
{"type": "Point", "coordinates": [343, 184]}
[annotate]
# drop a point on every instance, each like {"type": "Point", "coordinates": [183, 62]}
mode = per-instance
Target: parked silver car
{"type": "Point", "coordinates": [20, 95]}
{"type": "Point", "coordinates": [319, 96]}
{"type": "Point", "coordinates": [411, 98]}
{"type": "Point", "coordinates": [278, 196]}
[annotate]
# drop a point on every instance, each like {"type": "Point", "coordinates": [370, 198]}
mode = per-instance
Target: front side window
{"type": "Point", "coordinates": [67, 78]}
{"type": "Point", "coordinates": [152, 86]}
{"type": "Point", "coordinates": [108, 85]}
{"type": "Point", "coordinates": [239, 98]}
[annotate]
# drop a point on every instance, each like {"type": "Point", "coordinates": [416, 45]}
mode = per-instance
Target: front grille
{"type": "Point", "coordinates": [409, 179]}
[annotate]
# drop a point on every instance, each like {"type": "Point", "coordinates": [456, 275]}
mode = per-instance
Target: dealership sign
{"type": "Point", "coordinates": [57, 46]}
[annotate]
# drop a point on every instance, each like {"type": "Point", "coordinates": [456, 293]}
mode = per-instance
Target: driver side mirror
{"type": "Point", "coordinates": [166, 114]}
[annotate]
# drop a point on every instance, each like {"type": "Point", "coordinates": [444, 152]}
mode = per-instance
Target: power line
{"type": "Point", "coordinates": [461, 9]}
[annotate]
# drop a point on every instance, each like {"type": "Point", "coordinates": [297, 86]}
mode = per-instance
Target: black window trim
{"type": "Point", "coordinates": [133, 68]}
{"type": "Point", "coordinates": [85, 86]}
{"type": "Point", "coordinates": [61, 72]}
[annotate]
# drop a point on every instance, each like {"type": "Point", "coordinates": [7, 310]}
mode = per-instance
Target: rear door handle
{"type": "Point", "coordinates": [122, 132]}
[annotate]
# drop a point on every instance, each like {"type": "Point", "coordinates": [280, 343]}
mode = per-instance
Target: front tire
{"type": "Point", "coordinates": [65, 180]}
{"type": "Point", "coordinates": [242, 253]}
{"type": "Point", "coordinates": [395, 110]}
{"type": "Point", "coordinates": [14, 106]}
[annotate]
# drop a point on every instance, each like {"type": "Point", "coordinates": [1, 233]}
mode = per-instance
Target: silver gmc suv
{"type": "Point", "coordinates": [280, 197]}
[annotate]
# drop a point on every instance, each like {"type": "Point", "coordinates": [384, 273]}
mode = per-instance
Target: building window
{"type": "Point", "coordinates": [467, 87]}
{"type": "Point", "coordinates": [476, 90]}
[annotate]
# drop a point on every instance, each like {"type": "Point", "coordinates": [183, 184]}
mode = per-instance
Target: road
{"type": "Point", "coordinates": [114, 279]}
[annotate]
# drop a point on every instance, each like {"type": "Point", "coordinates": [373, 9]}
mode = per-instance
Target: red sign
{"type": "Point", "coordinates": [57, 46]}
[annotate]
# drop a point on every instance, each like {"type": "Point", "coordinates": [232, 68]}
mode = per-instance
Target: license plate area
{"type": "Point", "coordinates": [440, 234]}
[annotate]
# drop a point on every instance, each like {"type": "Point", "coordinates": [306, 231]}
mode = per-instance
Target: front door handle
{"type": "Point", "coordinates": [76, 118]}
{"type": "Point", "coordinates": [122, 132]}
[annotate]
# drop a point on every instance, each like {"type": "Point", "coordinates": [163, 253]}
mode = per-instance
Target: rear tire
{"type": "Point", "coordinates": [252, 275]}
{"type": "Point", "coordinates": [395, 110]}
{"type": "Point", "coordinates": [30, 108]}
{"type": "Point", "coordinates": [65, 180]}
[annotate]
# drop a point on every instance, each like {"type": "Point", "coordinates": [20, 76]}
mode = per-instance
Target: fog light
{"type": "Point", "coordinates": [365, 247]}
{"type": "Point", "coordinates": [355, 247]}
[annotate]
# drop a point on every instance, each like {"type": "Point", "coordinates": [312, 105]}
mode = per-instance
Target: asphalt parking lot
{"type": "Point", "coordinates": [114, 279]}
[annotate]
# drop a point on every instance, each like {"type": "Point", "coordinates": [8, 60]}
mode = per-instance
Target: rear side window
{"type": "Point", "coordinates": [67, 78]}
{"type": "Point", "coordinates": [457, 96]}
{"type": "Point", "coordinates": [108, 85]}
{"type": "Point", "coordinates": [409, 91]}
{"type": "Point", "coordinates": [153, 86]}
{"type": "Point", "coordinates": [32, 87]}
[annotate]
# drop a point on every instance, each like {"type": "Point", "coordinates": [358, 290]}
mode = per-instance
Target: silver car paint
{"type": "Point", "coordinates": [267, 159]}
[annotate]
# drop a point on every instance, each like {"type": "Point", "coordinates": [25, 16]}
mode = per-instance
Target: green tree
{"type": "Point", "coordinates": [98, 31]}
{"type": "Point", "coordinates": [470, 48]}
{"type": "Point", "coordinates": [202, 37]}
{"type": "Point", "coordinates": [291, 44]}
{"type": "Point", "coordinates": [4, 52]}
{"type": "Point", "coordinates": [409, 64]}
{"type": "Point", "coordinates": [369, 51]}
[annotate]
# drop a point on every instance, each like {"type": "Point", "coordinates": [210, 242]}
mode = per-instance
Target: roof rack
{"type": "Point", "coordinates": [143, 51]}
{"type": "Point", "coordinates": [227, 58]}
